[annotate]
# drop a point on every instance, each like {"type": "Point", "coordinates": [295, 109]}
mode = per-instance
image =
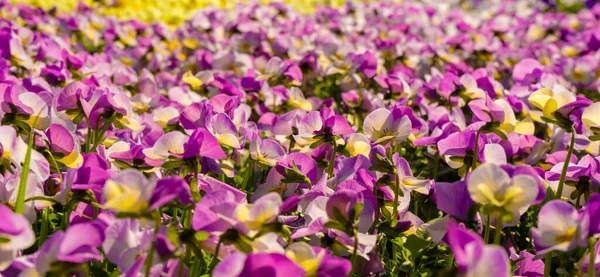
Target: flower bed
{"type": "Point", "coordinates": [369, 139]}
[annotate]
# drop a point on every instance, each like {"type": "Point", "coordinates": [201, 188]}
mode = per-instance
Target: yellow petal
{"type": "Point", "coordinates": [229, 140]}
{"type": "Point", "coordinates": [123, 198]}
{"type": "Point", "coordinates": [301, 103]}
{"type": "Point", "coordinates": [241, 212]}
{"type": "Point", "coordinates": [539, 97]}
{"type": "Point", "coordinates": [311, 265]}
{"type": "Point", "coordinates": [359, 147]}
{"type": "Point", "coordinates": [525, 127]}
{"type": "Point", "coordinates": [563, 97]}
{"type": "Point", "coordinates": [485, 195]}
{"type": "Point", "coordinates": [73, 160]}
{"type": "Point", "coordinates": [550, 107]}
{"type": "Point", "coordinates": [591, 115]}
{"type": "Point", "coordinates": [192, 80]}
{"type": "Point", "coordinates": [162, 116]}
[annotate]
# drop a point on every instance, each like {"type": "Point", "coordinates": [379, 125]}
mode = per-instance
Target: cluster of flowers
{"type": "Point", "coordinates": [377, 138]}
{"type": "Point", "coordinates": [171, 12]}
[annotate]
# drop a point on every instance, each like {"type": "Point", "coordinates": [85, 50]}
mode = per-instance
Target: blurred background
{"type": "Point", "coordinates": [171, 12]}
{"type": "Point", "coordinates": [174, 12]}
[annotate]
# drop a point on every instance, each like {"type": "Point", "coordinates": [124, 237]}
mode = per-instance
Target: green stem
{"type": "Point", "coordinates": [68, 207]}
{"type": "Point", "coordinates": [486, 236]}
{"type": "Point", "coordinates": [396, 197]}
{"type": "Point", "coordinates": [330, 166]}
{"type": "Point", "coordinates": [182, 261]}
{"type": "Point", "coordinates": [55, 164]}
{"type": "Point", "coordinates": [95, 205]}
{"type": "Point", "coordinates": [88, 140]}
{"type": "Point", "coordinates": [44, 229]}
{"type": "Point", "coordinates": [100, 134]}
{"type": "Point", "coordinates": [292, 144]}
{"type": "Point", "coordinates": [20, 204]}
{"type": "Point", "coordinates": [476, 150]}
{"type": "Point", "coordinates": [513, 241]}
{"type": "Point", "coordinates": [359, 104]}
{"type": "Point", "coordinates": [150, 256]}
{"type": "Point", "coordinates": [498, 230]}
{"type": "Point", "coordinates": [215, 258]}
{"type": "Point", "coordinates": [43, 198]}
{"type": "Point", "coordinates": [415, 205]}
{"type": "Point", "coordinates": [563, 174]}
{"type": "Point", "coordinates": [592, 261]}
{"type": "Point", "coordinates": [355, 253]}
{"type": "Point", "coordinates": [547, 264]}
{"type": "Point", "coordinates": [249, 174]}
{"type": "Point", "coordinates": [199, 257]}
{"type": "Point", "coordinates": [450, 261]}
{"type": "Point", "coordinates": [377, 211]}
{"type": "Point", "coordinates": [194, 187]}
{"type": "Point", "coordinates": [359, 116]}
{"type": "Point", "coordinates": [186, 218]}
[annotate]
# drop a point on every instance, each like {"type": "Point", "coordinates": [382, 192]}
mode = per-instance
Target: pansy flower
{"type": "Point", "coordinates": [472, 256]}
{"type": "Point", "coordinates": [406, 180]}
{"type": "Point", "coordinates": [275, 264]}
{"type": "Point", "coordinates": [490, 185]}
{"type": "Point", "coordinates": [196, 81]}
{"type": "Point", "coordinates": [224, 130]}
{"type": "Point", "coordinates": [551, 99]}
{"type": "Point", "coordinates": [16, 234]}
{"type": "Point", "coordinates": [591, 117]}
{"type": "Point", "coordinates": [63, 146]}
{"type": "Point", "coordinates": [383, 126]}
{"type": "Point", "coordinates": [317, 261]}
{"type": "Point", "coordinates": [14, 150]}
{"type": "Point", "coordinates": [316, 126]}
{"type": "Point", "coordinates": [266, 151]}
{"type": "Point", "coordinates": [65, 248]}
{"type": "Point", "coordinates": [560, 227]}
{"type": "Point", "coordinates": [25, 109]}
{"type": "Point", "coordinates": [201, 143]}
{"type": "Point", "coordinates": [129, 192]}
{"type": "Point", "coordinates": [262, 211]}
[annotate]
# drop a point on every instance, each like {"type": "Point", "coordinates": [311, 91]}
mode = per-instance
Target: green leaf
{"type": "Point", "coordinates": [573, 195]}
{"type": "Point", "coordinates": [317, 143]}
{"type": "Point", "coordinates": [457, 158]}
{"type": "Point", "coordinates": [295, 176]}
{"type": "Point", "coordinates": [121, 164]}
{"type": "Point", "coordinates": [173, 164]}
{"type": "Point", "coordinates": [356, 210]}
{"type": "Point", "coordinates": [549, 120]}
{"type": "Point", "coordinates": [415, 244]}
{"type": "Point", "coordinates": [388, 230]}
{"type": "Point", "coordinates": [488, 209]}
{"type": "Point", "coordinates": [201, 236]}
{"type": "Point", "coordinates": [339, 216]}
{"type": "Point", "coordinates": [173, 234]}
{"type": "Point", "coordinates": [72, 112]}
{"type": "Point", "coordinates": [77, 119]}
{"type": "Point", "coordinates": [4, 239]}
{"type": "Point", "coordinates": [508, 217]}
{"type": "Point", "coordinates": [498, 132]}
{"type": "Point", "coordinates": [381, 168]}
{"type": "Point", "coordinates": [564, 122]}
{"type": "Point", "coordinates": [23, 125]}
{"type": "Point", "coordinates": [332, 224]}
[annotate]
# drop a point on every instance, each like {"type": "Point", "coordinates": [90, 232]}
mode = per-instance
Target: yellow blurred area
{"type": "Point", "coordinates": [171, 12]}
